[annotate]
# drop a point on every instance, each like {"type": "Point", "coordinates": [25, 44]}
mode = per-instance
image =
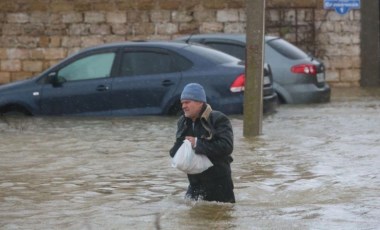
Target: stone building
{"type": "Point", "coordinates": [36, 34]}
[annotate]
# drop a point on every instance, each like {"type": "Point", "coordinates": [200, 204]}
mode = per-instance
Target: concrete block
{"type": "Point", "coordinates": [18, 18]}
{"type": "Point", "coordinates": [94, 17]}
{"type": "Point", "coordinates": [32, 66]}
{"type": "Point", "coordinates": [208, 27]}
{"type": "Point", "coordinates": [160, 16]}
{"type": "Point", "coordinates": [10, 65]}
{"type": "Point", "coordinates": [227, 15]}
{"type": "Point", "coordinates": [116, 17]}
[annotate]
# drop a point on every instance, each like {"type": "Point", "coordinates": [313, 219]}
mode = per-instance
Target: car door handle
{"type": "Point", "coordinates": [167, 83]}
{"type": "Point", "coordinates": [102, 88]}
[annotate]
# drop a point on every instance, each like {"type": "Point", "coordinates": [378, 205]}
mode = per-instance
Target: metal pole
{"type": "Point", "coordinates": [253, 94]}
{"type": "Point", "coordinates": [370, 43]}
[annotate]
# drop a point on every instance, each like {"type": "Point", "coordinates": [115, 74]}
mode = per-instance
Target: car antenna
{"type": "Point", "coordinates": [310, 56]}
{"type": "Point", "coordinates": [188, 39]}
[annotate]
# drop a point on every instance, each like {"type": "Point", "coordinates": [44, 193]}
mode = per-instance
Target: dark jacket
{"type": "Point", "coordinates": [214, 139]}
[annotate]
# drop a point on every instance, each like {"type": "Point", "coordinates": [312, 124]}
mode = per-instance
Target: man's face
{"type": "Point", "coordinates": [191, 109]}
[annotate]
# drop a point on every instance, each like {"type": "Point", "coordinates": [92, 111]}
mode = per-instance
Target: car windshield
{"type": "Point", "coordinates": [287, 49]}
{"type": "Point", "coordinates": [212, 55]}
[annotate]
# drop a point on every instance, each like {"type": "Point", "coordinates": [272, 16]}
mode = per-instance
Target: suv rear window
{"type": "Point", "coordinates": [212, 55]}
{"type": "Point", "coordinates": [232, 49]}
{"type": "Point", "coordinates": [287, 49]}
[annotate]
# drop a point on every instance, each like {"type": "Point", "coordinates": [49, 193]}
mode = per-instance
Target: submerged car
{"type": "Point", "coordinates": [133, 78]}
{"type": "Point", "coordinates": [298, 78]}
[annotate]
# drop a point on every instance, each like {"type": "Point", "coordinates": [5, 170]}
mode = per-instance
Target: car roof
{"type": "Point", "coordinates": [237, 37]}
{"type": "Point", "coordinates": [191, 49]}
{"type": "Point", "coordinates": [177, 46]}
{"type": "Point", "coordinates": [149, 43]}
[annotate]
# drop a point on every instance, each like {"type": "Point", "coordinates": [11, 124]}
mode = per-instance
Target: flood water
{"type": "Point", "coordinates": [314, 167]}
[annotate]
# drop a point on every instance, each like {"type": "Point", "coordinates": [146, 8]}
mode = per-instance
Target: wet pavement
{"type": "Point", "coordinates": [314, 167]}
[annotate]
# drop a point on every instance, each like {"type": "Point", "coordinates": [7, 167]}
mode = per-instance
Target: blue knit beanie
{"type": "Point", "coordinates": [194, 92]}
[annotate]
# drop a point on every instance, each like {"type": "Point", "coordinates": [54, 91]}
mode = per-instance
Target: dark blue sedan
{"type": "Point", "coordinates": [133, 78]}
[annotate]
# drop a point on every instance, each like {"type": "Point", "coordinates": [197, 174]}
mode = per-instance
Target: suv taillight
{"type": "Point", "coordinates": [304, 69]}
{"type": "Point", "coordinates": [238, 85]}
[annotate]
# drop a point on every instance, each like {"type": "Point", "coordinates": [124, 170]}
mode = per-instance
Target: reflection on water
{"type": "Point", "coordinates": [315, 167]}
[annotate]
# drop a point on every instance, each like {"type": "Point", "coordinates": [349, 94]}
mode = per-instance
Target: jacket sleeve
{"type": "Point", "coordinates": [179, 137]}
{"type": "Point", "coordinates": [221, 144]}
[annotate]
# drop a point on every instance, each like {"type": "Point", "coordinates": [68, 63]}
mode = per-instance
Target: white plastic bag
{"type": "Point", "coordinates": [187, 161]}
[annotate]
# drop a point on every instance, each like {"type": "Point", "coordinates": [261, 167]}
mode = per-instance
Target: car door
{"type": "Point", "coordinates": [83, 87]}
{"type": "Point", "coordinates": [146, 83]}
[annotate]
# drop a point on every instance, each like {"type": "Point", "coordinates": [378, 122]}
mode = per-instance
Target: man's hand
{"type": "Point", "coordinates": [192, 140]}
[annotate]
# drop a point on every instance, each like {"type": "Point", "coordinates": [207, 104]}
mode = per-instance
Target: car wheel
{"type": "Point", "coordinates": [280, 100]}
{"type": "Point", "coordinates": [14, 110]}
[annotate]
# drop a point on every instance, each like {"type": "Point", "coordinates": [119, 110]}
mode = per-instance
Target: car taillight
{"type": "Point", "coordinates": [238, 85]}
{"type": "Point", "coordinates": [304, 69]}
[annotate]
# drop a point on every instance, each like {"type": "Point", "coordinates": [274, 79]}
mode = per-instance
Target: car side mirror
{"type": "Point", "coordinates": [56, 80]}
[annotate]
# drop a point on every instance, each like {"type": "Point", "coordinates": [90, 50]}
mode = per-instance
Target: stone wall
{"type": "Point", "coordinates": [338, 45]}
{"type": "Point", "coordinates": [36, 34]}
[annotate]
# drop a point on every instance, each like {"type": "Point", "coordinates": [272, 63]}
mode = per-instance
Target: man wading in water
{"type": "Point", "coordinates": [210, 133]}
